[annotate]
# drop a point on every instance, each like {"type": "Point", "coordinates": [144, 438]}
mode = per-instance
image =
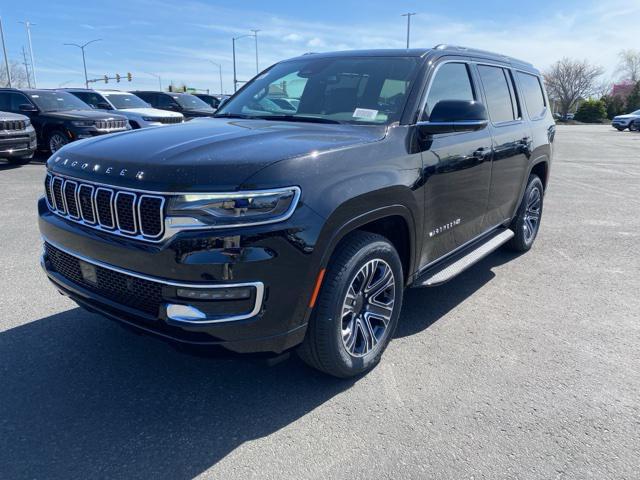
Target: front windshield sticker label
{"type": "Point", "coordinates": [365, 113]}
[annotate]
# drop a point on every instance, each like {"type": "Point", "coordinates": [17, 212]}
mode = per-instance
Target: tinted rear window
{"type": "Point", "coordinates": [531, 90]}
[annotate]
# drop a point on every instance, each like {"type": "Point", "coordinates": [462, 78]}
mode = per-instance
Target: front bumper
{"type": "Point", "coordinates": [18, 144]}
{"type": "Point", "coordinates": [620, 123]}
{"type": "Point", "coordinates": [78, 133]}
{"type": "Point", "coordinates": [275, 261]}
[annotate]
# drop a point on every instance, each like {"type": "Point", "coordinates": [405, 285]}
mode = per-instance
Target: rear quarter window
{"type": "Point", "coordinates": [531, 90]}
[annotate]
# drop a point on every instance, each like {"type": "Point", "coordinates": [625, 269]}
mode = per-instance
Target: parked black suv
{"type": "Point", "coordinates": [185, 103]}
{"type": "Point", "coordinates": [264, 229]}
{"type": "Point", "coordinates": [17, 138]}
{"type": "Point", "coordinates": [213, 101]}
{"type": "Point", "coordinates": [59, 117]}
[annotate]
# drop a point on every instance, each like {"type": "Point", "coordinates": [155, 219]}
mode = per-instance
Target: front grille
{"type": "Point", "coordinates": [133, 292]}
{"type": "Point", "coordinates": [127, 213]}
{"type": "Point", "coordinates": [111, 124]}
{"type": "Point", "coordinates": [13, 125]}
{"type": "Point", "coordinates": [169, 119]}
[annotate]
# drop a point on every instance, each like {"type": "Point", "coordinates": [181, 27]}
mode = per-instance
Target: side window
{"type": "Point", "coordinates": [452, 82]}
{"type": "Point", "coordinates": [11, 101]}
{"type": "Point", "coordinates": [501, 105]}
{"type": "Point", "coordinates": [90, 98]}
{"type": "Point", "coordinates": [532, 93]}
{"type": "Point", "coordinates": [165, 101]}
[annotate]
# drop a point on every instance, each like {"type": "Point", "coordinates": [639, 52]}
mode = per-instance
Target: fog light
{"type": "Point", "coordinates": [215, 293]}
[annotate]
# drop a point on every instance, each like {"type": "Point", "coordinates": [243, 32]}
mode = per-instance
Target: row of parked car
{"type": "Point", "coordinates": [49, 119]}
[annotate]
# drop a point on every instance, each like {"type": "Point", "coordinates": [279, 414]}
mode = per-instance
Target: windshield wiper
{"type": "Point", "coordinates": [296, 118]}
{"type": "Point", "coordinates": [232, 115]}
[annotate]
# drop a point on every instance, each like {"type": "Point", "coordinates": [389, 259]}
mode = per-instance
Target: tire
{"type": "Point", "coordinates": [56, 140]}
{"type": "Point", "coordinates": [526, 224]}
{"type": "Point", "coordinates": [620, 129]}
{"type": "Point", "coordinates": [20, 160]}
{"type": "Point", "coordinates": [353, 323]}
{"type": "Point", "coordinates": [634, 126]}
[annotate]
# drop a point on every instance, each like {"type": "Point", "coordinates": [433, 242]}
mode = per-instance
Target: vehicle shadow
{"type": "Point", "coordinates": [82, 398]}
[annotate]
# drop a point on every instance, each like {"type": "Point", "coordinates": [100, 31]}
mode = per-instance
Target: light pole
{"type": "Point", "coordinates": [408, 15]}
{"type": "Point", "coordinates": [233, 43]}
{"type": "Point", "coordinates": [158, 77]}
{"type": "Point", "coordinates": [84, 61]}
{"type": "Point", "coordinates": [220, 72]}
{"type": "Point", "coordinates": [28, 26]}
{"type": "Point", "coordinates": [6, 59]}
{"type": "Point", "coordinates": [255, 34]}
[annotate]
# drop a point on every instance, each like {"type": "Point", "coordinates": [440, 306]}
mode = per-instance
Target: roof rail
{"type": "Point", "coordinates": [477, 51]}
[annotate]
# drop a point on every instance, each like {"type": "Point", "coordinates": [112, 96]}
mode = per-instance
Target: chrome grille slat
{"type": "Point", "coordinates": [125, 212]}
{"type": "Point", "coordinates": [69, 191]}
{"type": "Point", "coordinates": [12, 125]}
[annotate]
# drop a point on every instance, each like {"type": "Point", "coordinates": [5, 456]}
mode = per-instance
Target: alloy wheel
{"type": "Point", "coordinates": [56, 142]}
{"type": "Point", "coordinates": [368, 307]}
{"type": "Point", "coordinates": [532, 214]}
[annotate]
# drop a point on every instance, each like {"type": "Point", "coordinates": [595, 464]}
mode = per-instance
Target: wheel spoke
{"type": "Point", "coordinates": [381, 312]}
{"type": "Point", "coordinates": [368, 337]}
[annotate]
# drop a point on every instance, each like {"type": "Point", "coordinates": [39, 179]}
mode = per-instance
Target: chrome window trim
{"type": "Point", "coordinates": [93, 207]}
{"type": "Point", "coordinates": [75, 196]}
{"type": "Point", "coordinates": [113, 218]}
{"type": "Point", "coordinates": [114, 206]}
{"type": "Point", "coordinates": [162, 229]}
{"type": "Point", "coordinates": [259, 286]}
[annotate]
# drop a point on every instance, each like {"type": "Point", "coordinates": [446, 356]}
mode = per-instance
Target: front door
{"type": "Point", "coordinates": [457, 169]}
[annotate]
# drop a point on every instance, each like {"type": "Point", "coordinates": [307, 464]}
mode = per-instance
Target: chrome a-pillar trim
{"type": "Point", "coordinates": [259, 286]}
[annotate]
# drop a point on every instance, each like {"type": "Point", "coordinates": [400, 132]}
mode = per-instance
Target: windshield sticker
{"type": "Point", "coordinates": [365, 113]}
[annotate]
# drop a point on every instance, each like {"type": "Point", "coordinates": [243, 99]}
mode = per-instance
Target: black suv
{"type": "Point", "coordinates": [213, 101]}
{"type": "Point", "coordinates": [59, 117]}
{"type": "Point", "coordinates": [185, 103]}
{"type": "Point", "coordinates": [265, 229]}
{"type": "Point", "coordinates": [17, 138]}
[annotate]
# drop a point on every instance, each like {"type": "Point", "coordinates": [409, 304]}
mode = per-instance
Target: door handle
{"type": "Point", "coordinates": [482, 153]}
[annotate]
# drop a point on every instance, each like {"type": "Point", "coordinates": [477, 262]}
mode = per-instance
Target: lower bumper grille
{"type": "Point", "coordinates": [133, 292]}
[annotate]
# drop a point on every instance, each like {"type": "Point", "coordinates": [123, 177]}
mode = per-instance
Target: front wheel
{"type": "Point", "coordinates": [358, 307]}
{"type": "Point", "coordinates": [634, 126]}
{"type": "Point", "coordinates": [527, 221]}
{"type": "Point", "coordinates": [56, 141]}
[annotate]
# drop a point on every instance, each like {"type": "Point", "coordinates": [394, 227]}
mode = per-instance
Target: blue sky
{"type": "Point", "coordinates": [178, 39]}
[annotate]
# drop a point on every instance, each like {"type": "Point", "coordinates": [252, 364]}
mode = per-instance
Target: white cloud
{"type": "Point", "coordinates": [292, 37]}
{"type": "Point", "coordinates": [316, 42]}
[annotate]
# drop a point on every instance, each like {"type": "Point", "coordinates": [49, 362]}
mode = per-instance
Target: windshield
{"type": "Point", "coordinates": [637, 112]}
{"type": "Point", "coordinates": [122, 100]}
{"type": "Point", "coordinates": [57, 101]}
{"type": "Point", "coordinates": [191, 102]}
{"type": "Point", "coordinates": [368, 90]}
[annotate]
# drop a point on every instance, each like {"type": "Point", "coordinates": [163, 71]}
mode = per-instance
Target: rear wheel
{"type": "Point", "coordinates": [56, 141]}
{"type": "Point", "coordinates": [358, 307]}
{"type": "Point", "coordinates": [527, 221]}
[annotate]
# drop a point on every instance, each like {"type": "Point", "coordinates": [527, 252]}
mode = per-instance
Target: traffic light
{"type": "Point", "coordinates": [118, 77]}
{"type": "Point", "coordinates": [129, 76]}
{"type": "Point", "coordinates": [106, 79]}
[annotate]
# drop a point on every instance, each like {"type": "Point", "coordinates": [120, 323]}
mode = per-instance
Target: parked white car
{"type": "Point", "coordinates": [139, 113]}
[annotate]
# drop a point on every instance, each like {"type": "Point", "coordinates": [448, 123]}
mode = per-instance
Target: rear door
{"type": "Point", "coordinates": [511, 141]}
{"type": "Point", "coordinates": [457, 168]}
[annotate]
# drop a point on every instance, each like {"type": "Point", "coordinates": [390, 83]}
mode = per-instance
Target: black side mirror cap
{"type": "Point", "coordinates": [103, 106]}
{"type": "Point", "coordinates": [455, 116]}
{"type": "Point", "coordinates": [27, 107]}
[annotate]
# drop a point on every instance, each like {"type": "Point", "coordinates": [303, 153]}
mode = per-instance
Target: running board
{"type": "Point", "coordinates": [449, 268]}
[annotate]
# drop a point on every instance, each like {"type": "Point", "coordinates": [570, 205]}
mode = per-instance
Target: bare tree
{"type": "Point", "coordinates": [629, 65]}
{"type": "Point", "coordinates": [18, 75]}
{"type": "Point", "coordinates": [570, 80]}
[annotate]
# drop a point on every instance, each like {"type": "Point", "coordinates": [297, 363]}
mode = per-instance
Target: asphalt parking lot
{"type": "Point", "coordinates": [522, 367]}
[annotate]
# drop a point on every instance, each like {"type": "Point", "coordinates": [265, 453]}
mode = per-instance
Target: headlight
{"type": "Point", "coordinates": [150, 119]}
{"type": "Point", "coordinates": [27, 122]}
{"type": "Point", "coordinates": [82, 123]}
{"type": "Point", "coordinates": [233, 209]}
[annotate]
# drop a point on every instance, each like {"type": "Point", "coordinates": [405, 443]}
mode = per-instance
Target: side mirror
{"type": "Point", "coordinates": [27, 107]}
{"type": "Point", "coordinates": [103, 106]}
{"type": "Point", "coordinates": [455, 116]}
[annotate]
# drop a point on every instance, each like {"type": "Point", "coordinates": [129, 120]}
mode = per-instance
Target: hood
{"type": "Point", "coordinates": [625, 117]}
{"type": "Point", "coordinates": [83, 115]}
{"type": "Point", "coordinates": [149, 112]}
{"type": "Point", "coordinates": [199, 113]}
{"type": "Point", "coordinates": [209, 155]}
{"type": "Point", "coordinates": [12, 116]}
